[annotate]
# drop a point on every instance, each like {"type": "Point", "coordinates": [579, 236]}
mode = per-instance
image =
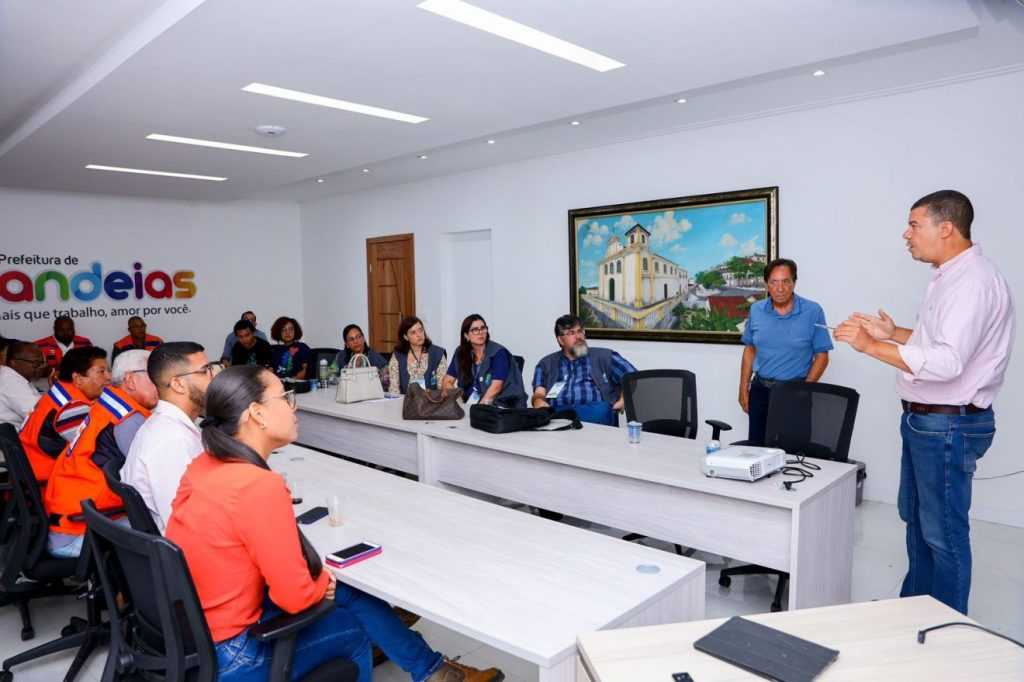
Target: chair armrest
{"type": "Point", "coordinates": [290, 623]}
{"type": "Point", "coordinates": [108, 511]}
{"type": "Point", "coordinates": [717, 427]}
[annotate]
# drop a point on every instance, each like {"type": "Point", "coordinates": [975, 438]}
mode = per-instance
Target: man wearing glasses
{"type": "Point", "coordinates": [25, 364]}
{"type": "Point", "coordinates": [106, 436]}
{"type": "Point", "coordinates": [169, 440]}
{"type": "Point", "coordinates": [588, 380]}
{"type": "Point", "coordinates": [786, 339]}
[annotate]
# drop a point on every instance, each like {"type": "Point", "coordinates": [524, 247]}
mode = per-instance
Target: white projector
{"type": "Point", "coordinates": [743, 462]}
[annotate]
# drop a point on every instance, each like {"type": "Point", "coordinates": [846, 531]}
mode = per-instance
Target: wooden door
{"type": "Point", "coordinates": [391, 283]}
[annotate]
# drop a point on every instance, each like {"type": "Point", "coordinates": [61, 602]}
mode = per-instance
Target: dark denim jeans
{"type": "Point", "coordinates": [346, 633]}
{"type": "Point", "coordinates": [757, 412]}
{"type": "Point", "coordinates": [940, 454]}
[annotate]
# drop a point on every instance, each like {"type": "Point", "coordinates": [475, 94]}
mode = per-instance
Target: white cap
{"type": "Point", "coordinates": [128, 361]}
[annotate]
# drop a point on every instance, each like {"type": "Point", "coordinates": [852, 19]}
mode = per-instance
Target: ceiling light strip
{"type": "Point", "coordinates": [320, 100]}
{"type": "Point", "coordinates": [495, 24]}
{"type": "Point", "coordinates": [142, 171]}
{"type": "Point", "coordinates": [159, 137]}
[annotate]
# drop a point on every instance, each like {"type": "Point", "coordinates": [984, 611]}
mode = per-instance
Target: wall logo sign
{"type": "Point", "coordinates": [17, 286]}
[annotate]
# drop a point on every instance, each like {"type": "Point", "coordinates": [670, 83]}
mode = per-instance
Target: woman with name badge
{"type": "Point", "coordinates": [416, 359]}
{"type": "Point", "coordinates": [483, 370]}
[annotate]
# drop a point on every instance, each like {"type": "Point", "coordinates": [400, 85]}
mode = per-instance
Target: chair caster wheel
{"type": "Point", "coordinates": [724, 580]}
{"type": "Point", "coordinates": [6, 676]}
{"type": "Point", "coordinates": [26, 634]}
{"type": "Point", "coordinates": [775, 609]}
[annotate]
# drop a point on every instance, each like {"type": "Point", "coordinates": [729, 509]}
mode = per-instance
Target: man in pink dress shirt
{"type": "Point", "coordinates": [952, 365]}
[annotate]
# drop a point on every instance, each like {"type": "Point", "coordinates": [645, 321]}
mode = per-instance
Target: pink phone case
{"type": "Point", "coordinates": [354, 560]}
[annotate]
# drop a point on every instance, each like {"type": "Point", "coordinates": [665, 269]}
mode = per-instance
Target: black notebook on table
{"type": "Point", "coordinates": [765, 651]}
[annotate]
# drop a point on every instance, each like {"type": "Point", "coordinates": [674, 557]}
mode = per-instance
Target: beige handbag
{"type": "Point", "coordinates": [359, 381]}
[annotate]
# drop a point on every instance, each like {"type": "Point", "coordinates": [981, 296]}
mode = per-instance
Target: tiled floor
{"type": "Point", "coordinates": [879, 562]}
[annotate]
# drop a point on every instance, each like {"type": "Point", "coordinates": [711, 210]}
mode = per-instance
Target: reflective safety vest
{"type": "Point", "coordinates": [126, 343]}
{"type": "Point", "coordinates": [52, 352]}
{"type": "Point", "coordinates": [61, 395]}
{"type": "Point", "coordinates": [76, 476]}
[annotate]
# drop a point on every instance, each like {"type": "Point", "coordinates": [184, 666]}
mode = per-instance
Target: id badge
{"type": "Point", "coordinates": [422, 382]}
{"type": "Point", "coordinates": [474, 397]}
{"type": "Point", "coordinates": [556, 390]}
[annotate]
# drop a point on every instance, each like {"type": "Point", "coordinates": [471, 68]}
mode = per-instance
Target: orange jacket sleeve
{"type": "Point", "coordinates": [266, 523]}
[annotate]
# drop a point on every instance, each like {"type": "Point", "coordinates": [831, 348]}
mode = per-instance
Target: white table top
{"type": "Point", "coordinates": [657, 458]}
{"type": "Point", "coordinates": [876, 641]}
{"type": "Point", "coordinates": [520, 583]}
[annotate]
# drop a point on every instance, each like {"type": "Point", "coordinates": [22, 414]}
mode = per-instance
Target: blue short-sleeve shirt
{"type": "Point", "coordinates": [501, 364]}
{"type": "Point", "coordinates": [786, 344]}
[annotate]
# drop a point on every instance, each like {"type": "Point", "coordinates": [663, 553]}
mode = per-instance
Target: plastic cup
{"type": "Point", "coordinates": [634, 429]}
{"type": "Point", "coordinates": [334, 511]}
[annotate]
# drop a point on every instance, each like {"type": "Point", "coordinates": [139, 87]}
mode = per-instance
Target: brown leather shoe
{"type": "Point", "coordinates": [453, 671]}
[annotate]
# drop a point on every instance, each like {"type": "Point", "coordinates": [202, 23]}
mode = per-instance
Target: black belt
{"type": "Point", "coordinates": [924, 408]}
{"type": "Point", "coordinates": [767, 383]}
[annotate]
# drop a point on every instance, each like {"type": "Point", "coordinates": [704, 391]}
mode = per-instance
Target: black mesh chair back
{"type": "Point", "coordinates": [159, 624]}
{"type": "Point", "coordinates": [664, 400]}
{"type": "Point", "coordinates": [26, 525]}
{"type": "Point", "coordinates": [328, 354]}
{"type": "Point", "coordinates": [812, 419]}
{"type": "Point", "coordinates": [138, 514]}
{"type": "Point", "coordinates": [520, 361]}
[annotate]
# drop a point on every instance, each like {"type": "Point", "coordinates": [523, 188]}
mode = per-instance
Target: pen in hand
{"type": "Point", "coordinates": [818, 324]}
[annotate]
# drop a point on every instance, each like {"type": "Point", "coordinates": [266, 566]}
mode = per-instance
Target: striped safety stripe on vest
{"type": "Point", "coordinates": [117, 407]}
{"type": "Point", "coordinates": [59, 395]}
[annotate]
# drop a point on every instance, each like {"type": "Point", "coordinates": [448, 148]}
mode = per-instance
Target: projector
{"type": "Point", "coordinates": [743, 462]}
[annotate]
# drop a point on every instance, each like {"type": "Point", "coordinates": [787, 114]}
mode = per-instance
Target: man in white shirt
{"type": "Point", "coordinates": [169, 440]}
{"type": "Point", "coordinates": [25, 364]}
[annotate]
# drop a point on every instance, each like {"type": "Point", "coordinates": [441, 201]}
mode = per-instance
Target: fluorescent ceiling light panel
{"type": "Point", "coordinates": [320, 100]}
{"type": "Point", "coordinates": [223, 145]}
{"type": "Point", "coordinates": [141, 171]}
{"type": "Point", "coordinates": [467, 14]}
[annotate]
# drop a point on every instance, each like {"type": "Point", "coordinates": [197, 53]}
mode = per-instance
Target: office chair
{"type": "Point", "coordinates": [324, 353]}
{"type": "Point", "coordinates": [665, 401]}
{"type": "Point", "coordinates": [29, 572]}
{"type": "Point", "coordinates": [138, 514]}
{"type": "Point", "coordinates": [810, 419]}
{"type": "Point", "coordinates": [160, 631]}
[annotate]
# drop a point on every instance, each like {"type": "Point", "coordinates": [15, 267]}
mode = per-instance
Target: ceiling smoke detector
{"type": "Point", "coordinates": [270, 130]}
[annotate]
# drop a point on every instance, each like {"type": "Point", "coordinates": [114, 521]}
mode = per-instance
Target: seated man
{"type": "Point", "coordinates": [250, 349]}
{"type": "Point", "coordinates": [231, 339]}
{"type": "Point", "coordinates": [18, 397]}
{"type": "Point", "coordinates": [137, 338]}
{"type": "Point", "coordinates": [63, 339]}
{"type": "Point", "coordinates": [59, 413]}
{"type": "Point", "coordinates": [106, 436]}
{"type": "Point", "coordinates": [169, 440]}
{"type": "Point", "coordinates": [588, 380]}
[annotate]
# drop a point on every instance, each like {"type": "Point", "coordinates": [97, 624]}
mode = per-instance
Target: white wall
{"type": "Point", "coordinates": [244, 254]}
{"type": "Point", "coordinates": [847, 175]}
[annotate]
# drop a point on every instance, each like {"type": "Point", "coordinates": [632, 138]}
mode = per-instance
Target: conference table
{"type": "Point", "coordinates": [876, 641]}
{"type": "Point", "coordinates": [514, 581]}
{"type": "Point", "coordinates": [655, 487]}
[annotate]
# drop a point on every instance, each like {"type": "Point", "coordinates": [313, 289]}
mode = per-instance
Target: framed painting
{"type": "Point", "coordinates": [684, 269]}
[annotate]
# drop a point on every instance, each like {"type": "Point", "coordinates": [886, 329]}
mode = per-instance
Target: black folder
{"type": "Point", "coordinates": [766, 652]}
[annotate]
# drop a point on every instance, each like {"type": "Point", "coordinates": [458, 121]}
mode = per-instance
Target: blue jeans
{"type": "Point", "coordinates": [346, 633]}
{"type": "Point", "coordinates": [600, 412]}
{"type": "Point", "coordinates": [940, 454]}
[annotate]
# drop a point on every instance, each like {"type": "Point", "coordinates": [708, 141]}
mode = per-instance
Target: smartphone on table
{"type": "Point", "coordinates": [353, 554]}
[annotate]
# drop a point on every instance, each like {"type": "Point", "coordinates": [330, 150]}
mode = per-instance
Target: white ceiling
{"type": "Point", "coordinates": [101, 76]}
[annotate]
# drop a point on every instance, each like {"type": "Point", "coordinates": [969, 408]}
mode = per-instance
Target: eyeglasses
{"type": "Point", "coordinates": [211, 368]}
{"type": "Point", "coordinates": [477, 330]}
{"type": "Point", "coordinates": [287, 396]}
{"type": "Point", "coordinates": [578, 331]}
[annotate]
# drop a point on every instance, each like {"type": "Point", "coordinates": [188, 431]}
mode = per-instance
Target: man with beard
{"type": "Point", "coordinates": [585, 379]}
{"type": "Point", "coordinates": [169, 440]}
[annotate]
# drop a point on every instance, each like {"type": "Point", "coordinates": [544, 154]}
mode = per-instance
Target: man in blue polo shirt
{"type": "Point", "coordinates": [588, 380]}
{"type": "Point", "coordinates": [786, 340]}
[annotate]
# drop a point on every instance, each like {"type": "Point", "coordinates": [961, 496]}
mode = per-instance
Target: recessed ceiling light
{"type": "Point", "coordinates": [819, 73]}
{"type": "Point", "coordinates": [467, 14]}
{"type": "Point", "coordinates": [366, 170]}
{"type": "Point", "coordinates": [423, 156]}
{"type": "Point", "coordinates": [574, 123]}
{"type": "Point", "coordinates": [223, 145]}
{"type": "Point", "coordinates": [142, 171]}
{"type": "Point", "coordinates": [681, 100]}
{"type": "Point", "coordinates": [320, 181]}
{"type": "Point", "coordinates": [320, 100]}
{"type": "Point", "coordinates": [490, 141]}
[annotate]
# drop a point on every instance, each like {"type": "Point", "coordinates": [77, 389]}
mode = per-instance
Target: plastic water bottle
{"type": "Point", "coordinates": [712, 447]}
{"type": "Point", "coordinates": [322, 376]}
